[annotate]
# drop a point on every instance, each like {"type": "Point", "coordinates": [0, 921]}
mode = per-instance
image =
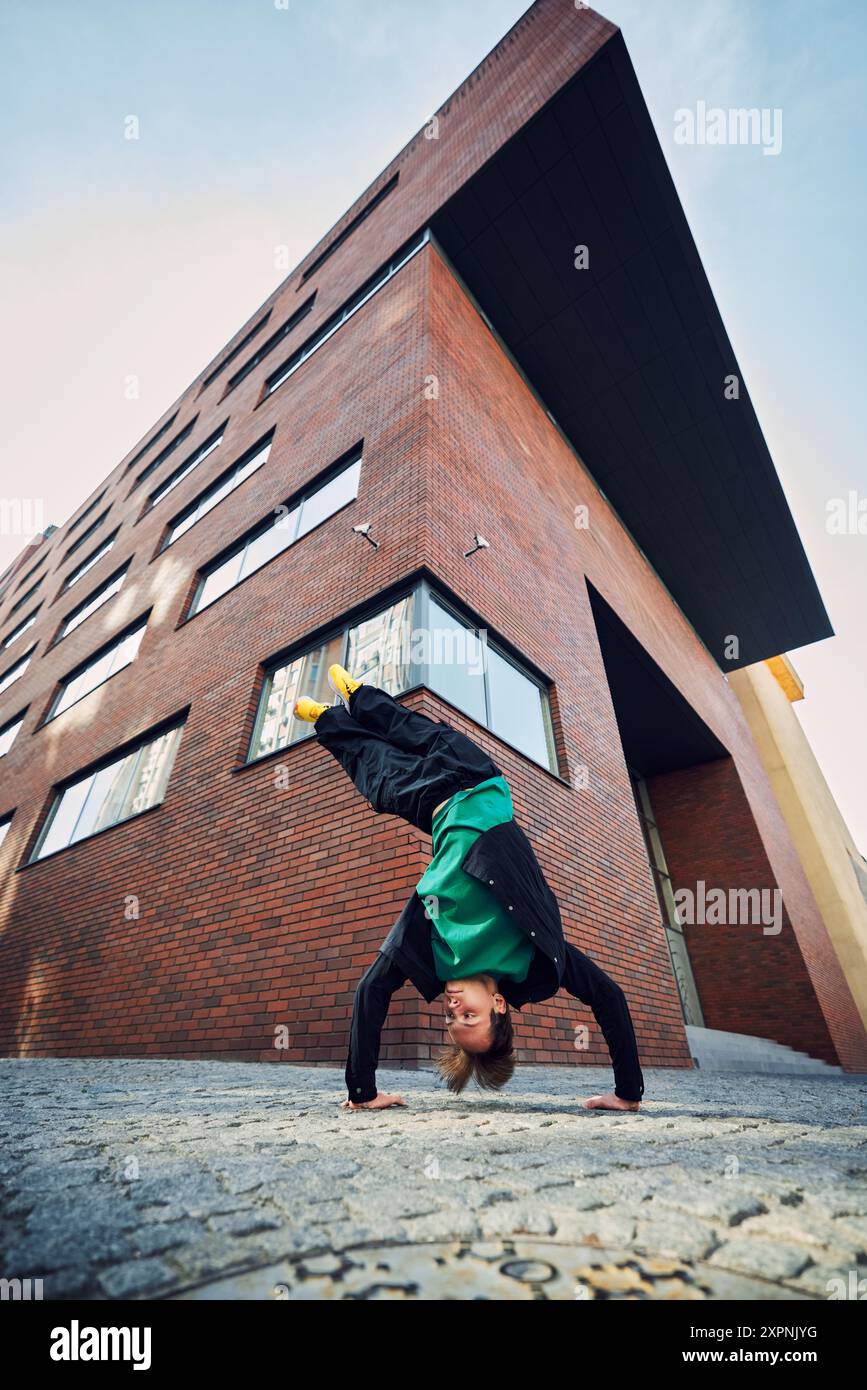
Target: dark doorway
{"type": "Point", "coordinates": [660, 732]}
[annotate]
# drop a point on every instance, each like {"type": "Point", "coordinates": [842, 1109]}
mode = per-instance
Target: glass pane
{"type": "Point", "coordinates": [7, 738]}
{"type": "Point", "coordinates": [456, 659]}
{"type": "Point", "coordinates": [172, 483]}
{"type": "Point", "coordinates": [99, 671]}
{"type": "Point", "coordinates": [65, 815]}
{"type": "Point", "coordinates": [278, 695]}
{"type": "Point", "coordinates": [13, 675]}
{"type": "Point", "coordinates": [85, 682]}
{"type": "Point", "coordinates": [18, 631]}
{"type": "Point", "coordinates": [255, 461]}
{"type": "Point", "coordinates": [306, 675]}
{"type": "Point", "coordinates": [97, 601]}
{"type": "Point", "coordinates": [314, 677]}
{"type": "Point", "coordinates": [104, 797]}
{"type": "Point", "coordinates": [89, 564]}
{"type": "Point", "coordinates": [181, 527]}
{"type": "Point", "coordinates": [276, 539]}
{"type": "Point", "coordinates": [212, 499]}
{"type": "Point", "coordinates": [379, 649]}
{"type": "Point", "coordinates": [330, 498]}
{"type": "Point", "coordinates": [126, 650]}
{"type": "Point", "coordinates": [517, 712]}
{"type": "Point", "coordinates": [150, 777]}
{"type": "Point", "coordinates": [218, 582]}
{"type": "Point", "coordinates": [4, 829]}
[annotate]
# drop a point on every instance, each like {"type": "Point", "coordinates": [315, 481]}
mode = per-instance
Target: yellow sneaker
{"type": "Point", "coordinates": [340, 680]}
{"type": "Point", "coordinates": [308, 709]}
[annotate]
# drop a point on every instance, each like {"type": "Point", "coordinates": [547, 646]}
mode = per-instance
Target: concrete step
{"type": "Point", "coordinates": [714, 1050]}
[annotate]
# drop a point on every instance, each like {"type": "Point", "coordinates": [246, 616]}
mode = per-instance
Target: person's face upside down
{"type": "Point", "coordinates": [468, 1006]}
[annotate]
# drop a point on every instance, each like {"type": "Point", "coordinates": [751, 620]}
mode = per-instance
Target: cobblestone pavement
{"type": "Point", "coordinates": [128, 1178]}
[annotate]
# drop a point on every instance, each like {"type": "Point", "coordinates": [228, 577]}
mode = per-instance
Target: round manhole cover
{"type": "Point", "coordinates": [516, 1269]}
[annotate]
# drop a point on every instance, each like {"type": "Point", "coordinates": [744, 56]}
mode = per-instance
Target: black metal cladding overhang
{"type": "Point", "coordinates": [631, 355]}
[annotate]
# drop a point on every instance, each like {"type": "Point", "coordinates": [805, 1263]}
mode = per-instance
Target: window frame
{"type": "Point", "coordinates": [265, 349]}
{"type": "Point", "coordinates": [214, 485]}
{"type": "Point", "coordinates": [91, 530]}
{"type": "Point", "coordinates": [371, 286]}
{"type": "Point", "coordinates": [236, 350]}
{"type": "Point", "coordinates": [117, 755]}
{"type": "Point", "coordinates": [23, 661]}
{"type": "Point", "coordinates": [296, 499]}
{"type": "Point", "coordinates": [88, 563]}
{"type": "Point", "coordinates": [74, 525]}
{"type": "Point", "coordinates": [154, 439]}
{"type": "Point", "coordinates": [422, 589]}
{"type": "Point", "coordinates": [21, 628]}
{"type": "Point", "coordinates": [14, 723]}
{"type": "Point", "coordinates": [343, 236]}
{"type": "Point", "coordinates": [183, 470]}
{"type": "Point", "coordinates": [51, 712]}
{"type": "Point", "coordinates": [62, 630]}
{"type": "Point", "coordinates": [29, 575]}
{"type": "Point", "coordinates": [182, 434]}
{"type": "Point", "coordinates": [19, 603]}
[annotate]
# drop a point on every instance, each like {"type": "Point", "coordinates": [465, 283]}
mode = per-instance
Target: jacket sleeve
{"type": "Point", "coordinates": [372, 999]}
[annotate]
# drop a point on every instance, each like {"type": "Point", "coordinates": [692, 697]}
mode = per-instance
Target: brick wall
{"type": "Point", "coordinates": [748, 982]}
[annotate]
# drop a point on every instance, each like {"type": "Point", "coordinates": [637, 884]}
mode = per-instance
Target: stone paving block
{"type": "Point", "coordinates": [512, 1218]}
{"type": "Point", "coordinates": [246, 1171]}
{"type": "Point", "coordinates": [136, 1278]}
{"type": "Point", "coordinates": [676, 1236]}
{"type": "Point", "coordinates": [769, 1259]}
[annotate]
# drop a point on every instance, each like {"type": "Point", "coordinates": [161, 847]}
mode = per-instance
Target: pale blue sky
{"type": "Point", "coordinates": [260, 125]}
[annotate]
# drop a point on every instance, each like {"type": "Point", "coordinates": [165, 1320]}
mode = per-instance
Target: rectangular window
{"type": "Point", "coordinates": [163, 429]}
{"type": "Point", "coordinates": [91, 530]}
{"type": "Point", "coordinates": [15, 672]}
{"type": "Point", "coordinates": [270, 343]}
{"type": "Point", "coordinates": [180, 473]}
{"type": "Point", "coordinates": [376, 282]}
{"type": "Point", "coordinates": [116, 792]}
{"type": "Point", "coordinates": [417, 640]}
{"type": "Point", "coordinates": [19, 603]}
{"type": "Point", "coordinates": [276, 725]}
{"type": "Point", "coordinates": [233, 477]}
{"type": "Point", "coordinates": [278, 533]}
{"type": "Point", "coordinates": [30, 573]}
{"type": "Point", "coordinates": [94, 504]}
{"type": "Point", "coordinates": [22, 627]}
{"type": "Point", "coordinates": [93, 558]}
{"type": "Point", "coordinates": [379, 647]}
{"type": "Point", "coordinates": [9, 733]}
{"type": "Point", "coordinates": [90, 605]}
{"type": "Point", "coordinates": [4, 828]}
{"type": "Point", "coordinates": [351, 226]}
{"type": "Point", "coordinates": [104, 664]}
{"type": "Point", "coordinates": [238, 348]}
{"type": "Point", "coordinates": [474, 675]}
{"type": "Point", "coordinates": [163, 454]}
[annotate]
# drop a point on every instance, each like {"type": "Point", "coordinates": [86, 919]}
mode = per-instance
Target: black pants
{"type": "Point", "coordinates": [403, 763]}
{"type": "Point", "coordinates": [406, 764]}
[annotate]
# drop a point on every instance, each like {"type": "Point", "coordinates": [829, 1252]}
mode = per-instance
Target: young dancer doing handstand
{"type": "Point", "coordinates": [482, 927]}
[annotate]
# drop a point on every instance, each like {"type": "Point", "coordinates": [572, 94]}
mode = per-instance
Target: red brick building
{"type": "Point", "coordinates": [509, 335]}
